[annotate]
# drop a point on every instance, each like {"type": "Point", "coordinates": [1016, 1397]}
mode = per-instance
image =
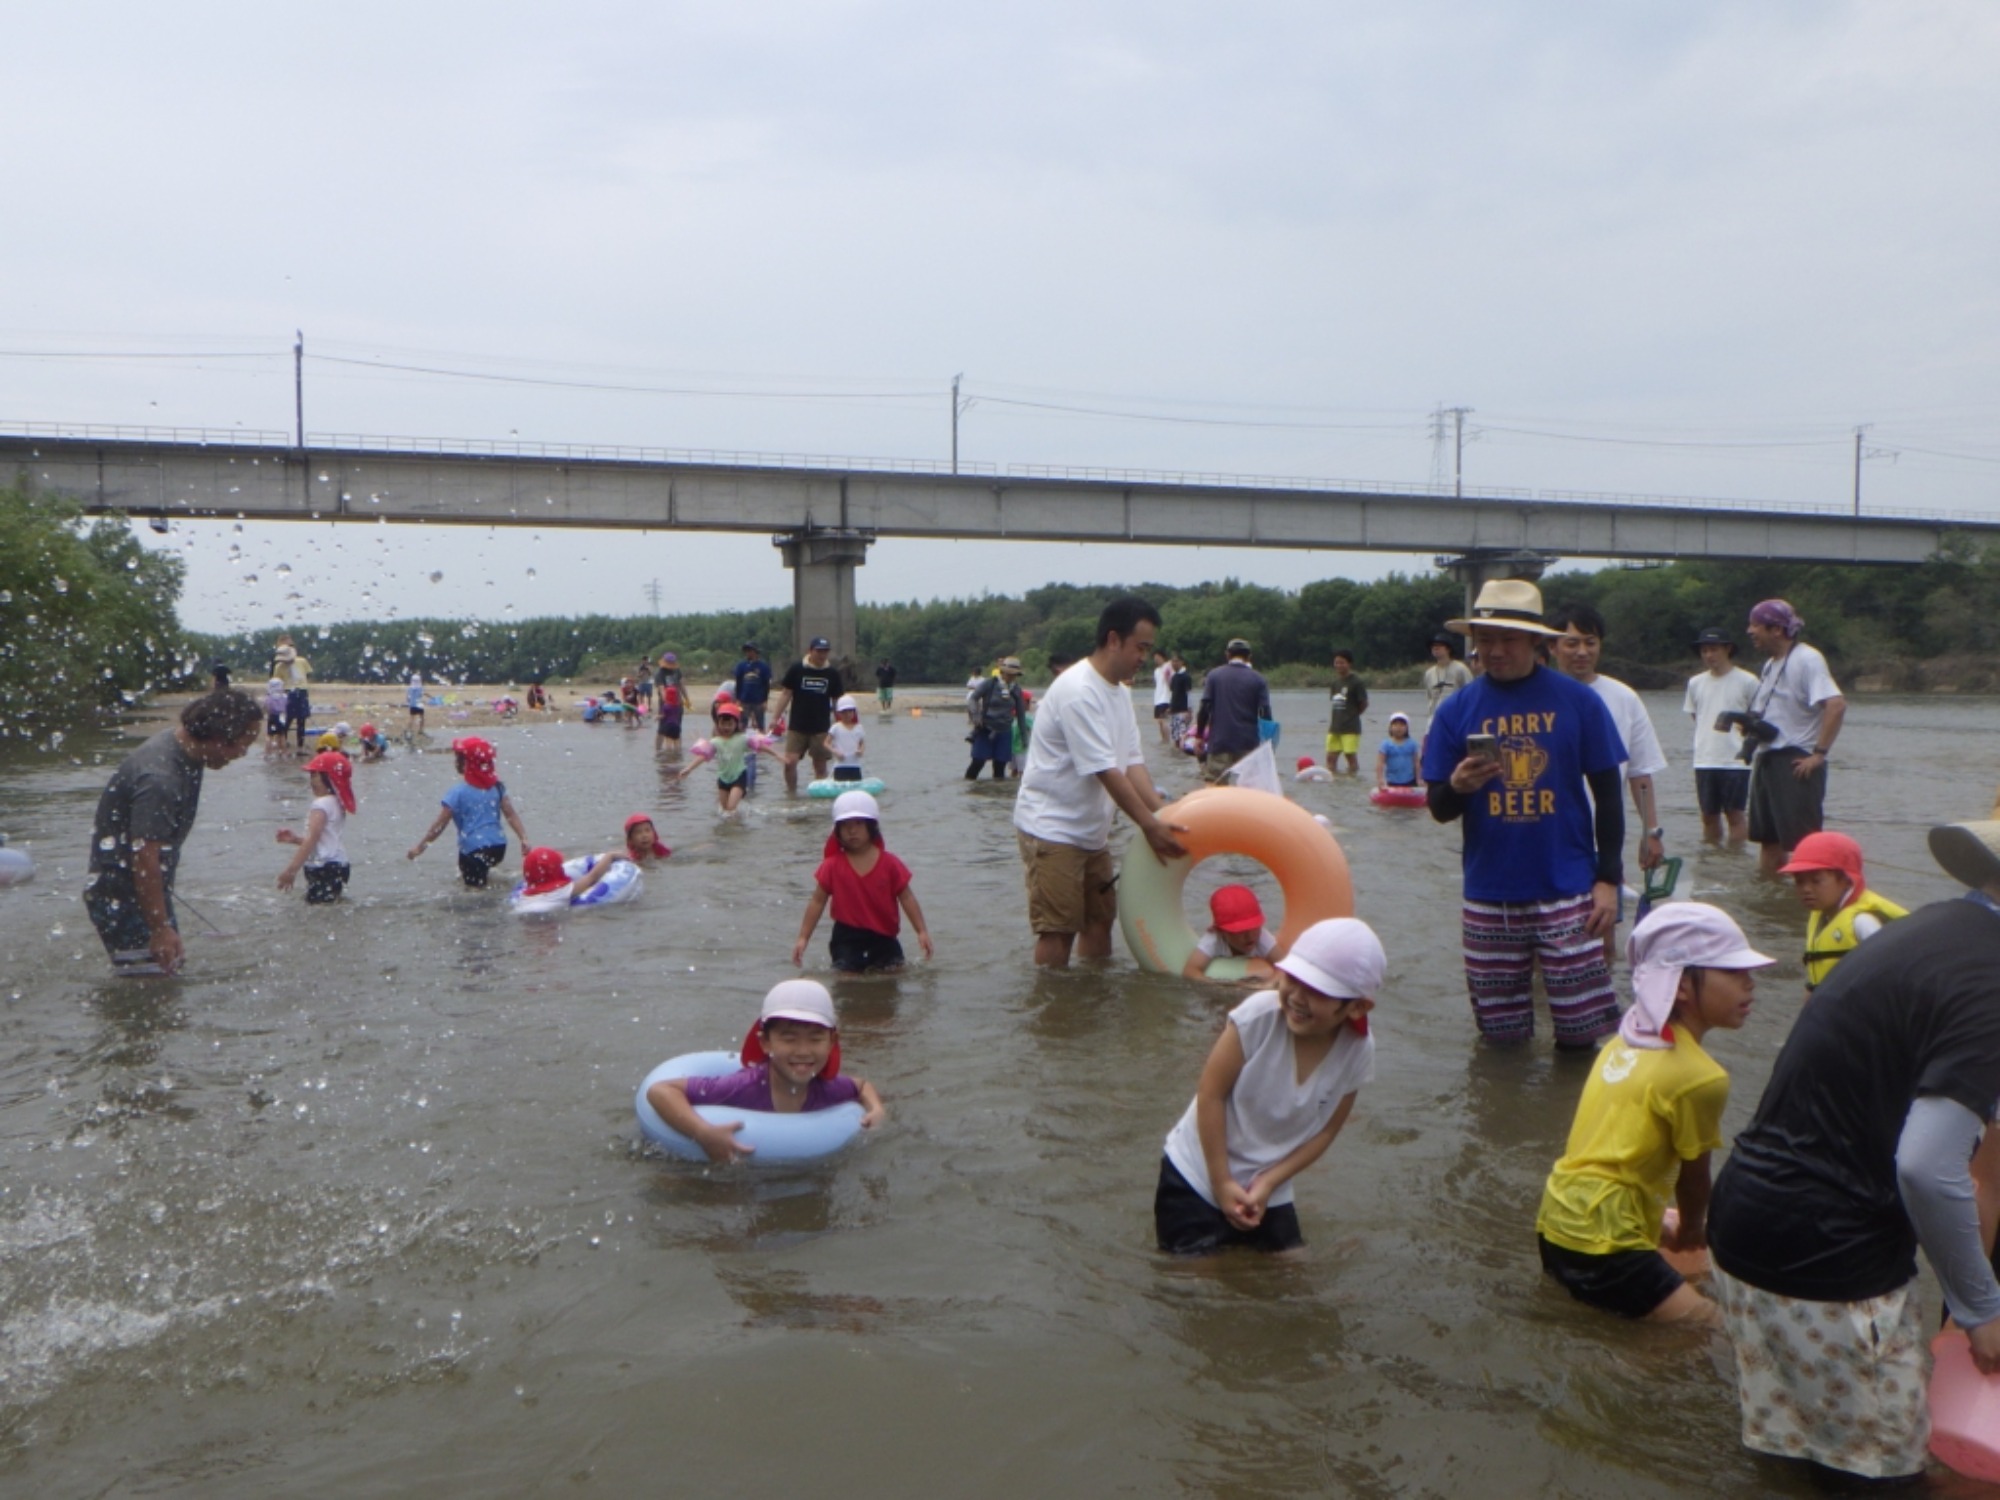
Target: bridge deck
{"type": "Point", "coordinates": [271, 482]}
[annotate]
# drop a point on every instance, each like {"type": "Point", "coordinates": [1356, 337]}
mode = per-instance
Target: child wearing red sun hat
{"type": "Point", "coordinates": [1236, 930]}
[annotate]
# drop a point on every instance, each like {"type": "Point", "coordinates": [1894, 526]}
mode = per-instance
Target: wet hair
{"type": "Point", "coordinates": [1579, 617]}
{"type": "Point", "coordinates": [1346, 656]}
{"type": "Point", "coordinates": [222, 717]}
{"type": "Point", "coordinates": [1122, 616]}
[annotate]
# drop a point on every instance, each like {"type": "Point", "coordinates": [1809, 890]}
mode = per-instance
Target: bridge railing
{"type": "Point", "coordinates": [363, 443]}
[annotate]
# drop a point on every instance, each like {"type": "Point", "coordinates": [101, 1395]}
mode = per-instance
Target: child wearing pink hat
{"type": "Point", "coordinates": [1277, 1087]}
{"type": "Point", "coordinates": [1827, 871]}
{"type": "Point", "coordinates": [1235, 930]}
{"type": "Point", "coordinates": [791, 1065]}
{"type": "Point", "coordinates": [1649, 1117]}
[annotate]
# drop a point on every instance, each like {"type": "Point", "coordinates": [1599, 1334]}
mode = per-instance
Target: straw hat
{"type": "Point", "coordinates": [1506, 604]}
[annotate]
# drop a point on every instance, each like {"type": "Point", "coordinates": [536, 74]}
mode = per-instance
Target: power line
{"type": "Point", "coordinates": [597, 385]}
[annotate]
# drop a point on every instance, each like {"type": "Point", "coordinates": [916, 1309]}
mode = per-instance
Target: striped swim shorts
{"type": "Point", "coordinates": [1503, 943]}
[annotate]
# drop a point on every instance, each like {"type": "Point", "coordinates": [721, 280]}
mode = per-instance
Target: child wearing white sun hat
{"type": "Point", "coordinates": [1650, 1114]}
{"type": "Point", "coordinates": [1278, 1086]}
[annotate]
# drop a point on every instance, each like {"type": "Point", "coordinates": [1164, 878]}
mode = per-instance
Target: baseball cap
{"type": "Point", "coordinates": [1678, 935]}
{"type": "Point", "coordinates": [820, 643]}
{"type": "Point", "coordinates": [1234, 908]}
{"type": "Point", "coordinates": [751, 646]}
{"type": "Point", "coordinates": [1714, 637]}
{"type": "Point", "coordinates": [1237, 647]}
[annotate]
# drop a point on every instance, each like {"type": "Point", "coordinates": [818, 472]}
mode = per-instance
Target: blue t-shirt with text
{"type": "Point", "coordinates": [1528, 834]}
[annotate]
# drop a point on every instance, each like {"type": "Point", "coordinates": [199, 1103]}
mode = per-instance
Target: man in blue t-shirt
{"type": "Point", "coordinates": [1542, 869]}
{"type": "Point", "coordinates": [753, 684]}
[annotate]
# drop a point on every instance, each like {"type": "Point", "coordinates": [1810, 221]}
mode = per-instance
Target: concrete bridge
{"type": "Point", "coordinates": [824, 514]}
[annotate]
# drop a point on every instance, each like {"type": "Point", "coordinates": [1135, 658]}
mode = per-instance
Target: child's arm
{"type": "Point", "coordinates": [600, 866]}
{"type": "Point", "coordinates": [815, 904]}
{"type": "Point", "coordinates": [1211, 1103]}
{"type": "Point", "coordinates": [513, 820]}
{"type": "Point", "coordinates": [1299, 1158]}
{"type": "Point", "coordinates": [1691, 1197]}
{"type": "Point", "coordinates": [431, 833]}
{"type": "Point", "coordinates": [669, 1098]}
{"type": "Point", "coordinates": [1381, 769]}
{"type": "Point", "coordinates": [872, 1103]}
{"type": "Point", "coordinates": [315, 825]}
{"type": "Point", "coordinates": [1197, 964]}
{"type": "Point", "coordinates": [907, 899]}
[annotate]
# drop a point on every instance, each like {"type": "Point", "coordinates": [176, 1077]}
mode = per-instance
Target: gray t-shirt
{"type": "Point", "coordinates": [151, 799]}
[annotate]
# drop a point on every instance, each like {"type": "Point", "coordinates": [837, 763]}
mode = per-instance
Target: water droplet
{"type": "Point", "coordinates": [61, 585]}
{"type": "Point", "coordinates": [284, 570]}
{"type": "Point", "coordinates": [437, 577]}
{"type": "Point", "coordinates": [6, 596]}
{"type": "Point", "coordinates": [531, 575]}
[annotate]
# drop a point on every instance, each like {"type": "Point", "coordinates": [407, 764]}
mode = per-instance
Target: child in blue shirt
{"type": "Point", "coordinates": [1396, 761]}
{"type": "Point", "coordinates": [476, 805]}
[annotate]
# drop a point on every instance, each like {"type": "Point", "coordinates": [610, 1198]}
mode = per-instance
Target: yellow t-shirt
{"type": "Point", "coordinates": [1643, 1113]}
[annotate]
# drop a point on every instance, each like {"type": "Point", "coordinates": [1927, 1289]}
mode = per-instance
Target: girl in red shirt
{"type": "Point", "coordinates": [866, 884]}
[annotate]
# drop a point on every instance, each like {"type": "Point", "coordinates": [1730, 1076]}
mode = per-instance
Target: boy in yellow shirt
{"type": "Point", "coordinates": [1650, 1115]}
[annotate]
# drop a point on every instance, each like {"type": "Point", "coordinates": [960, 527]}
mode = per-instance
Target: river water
{"type": "Point", "coordinates": [356, 1207]}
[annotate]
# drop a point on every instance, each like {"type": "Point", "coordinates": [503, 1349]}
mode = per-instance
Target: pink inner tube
{"type": "Point", "coordinates": [1398, 796]}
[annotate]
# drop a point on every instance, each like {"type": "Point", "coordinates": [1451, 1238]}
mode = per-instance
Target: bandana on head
{"type": "Point", "coordinates": [1776, 614]}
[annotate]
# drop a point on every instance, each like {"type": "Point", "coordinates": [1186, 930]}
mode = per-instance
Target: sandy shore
{"type": "Point", "coordinates": [471, 705]}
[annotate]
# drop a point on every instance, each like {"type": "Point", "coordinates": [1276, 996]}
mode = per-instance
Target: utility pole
{"type": "Point", "coordinates": [653, 595]}
{"type": "Point", "coordinates": [955, 409]}
{"type": "Point", "coordinates": [299, 386]}
{"type": "Point", "coordinates": [1458, 415]}
{"type": "Point", "coordinates": [1857, 465]}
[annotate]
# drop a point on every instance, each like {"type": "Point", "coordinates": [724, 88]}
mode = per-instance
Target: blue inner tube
{"type": "Point", "coordinates": [774, 1137]}
{"type": "Point", "coordinates": [623, 883]}
{"type": "Point", "coordinates": [874, 786]}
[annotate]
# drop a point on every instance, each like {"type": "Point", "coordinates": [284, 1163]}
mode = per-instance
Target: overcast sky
{"type": "Point", "coordinates": [1670, 248]}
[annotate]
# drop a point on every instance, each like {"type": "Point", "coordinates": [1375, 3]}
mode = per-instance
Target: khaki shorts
{"type": "Point", "coordinates": [1070, 890]}
{"type": "Point", "coordinates": [806, 744]}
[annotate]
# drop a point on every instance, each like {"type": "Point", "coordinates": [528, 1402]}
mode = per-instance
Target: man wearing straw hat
{"type": "Point", "coordinates": [1519, 756]}
{"type": "Point", "coordinates": [1858, 1153]}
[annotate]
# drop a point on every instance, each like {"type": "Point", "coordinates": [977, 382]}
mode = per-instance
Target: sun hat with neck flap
{"type": "Point", "coordinates": [1340, 958]}
{"type": "Point", "coordinates": [1676, 937]}
{"type": "Point", "coordinates": [804, 1000]}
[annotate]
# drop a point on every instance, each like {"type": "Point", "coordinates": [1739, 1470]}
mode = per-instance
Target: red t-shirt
{"type": "Point", "coordinates": [865, 900]}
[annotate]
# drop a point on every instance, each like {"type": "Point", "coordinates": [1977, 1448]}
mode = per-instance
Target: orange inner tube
{"type": "Point", "coordinates": [1280, 835]}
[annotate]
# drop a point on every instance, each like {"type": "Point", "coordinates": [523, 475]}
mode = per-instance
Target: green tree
{"type": "Point", "coordinates": [86, 615]}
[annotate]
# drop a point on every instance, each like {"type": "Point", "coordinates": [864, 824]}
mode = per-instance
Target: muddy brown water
{"type": "Point", "coordinates": [356, 1206]}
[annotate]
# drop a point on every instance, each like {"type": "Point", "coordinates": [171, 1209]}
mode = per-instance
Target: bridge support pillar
{"type": "Point", "coordinates": [1477, 569]}
{"type": "Point", "coordinates": [823, 564]}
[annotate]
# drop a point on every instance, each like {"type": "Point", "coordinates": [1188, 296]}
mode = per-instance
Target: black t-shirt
{"type": "Point", "coordinates": [1179, 686]}
{"type": "Point", "coordinates": [1807, 1204]}
{"type": "Point", "coordinates": [885, 675]}
{"type": "Point", "coordinates": [813, 691]}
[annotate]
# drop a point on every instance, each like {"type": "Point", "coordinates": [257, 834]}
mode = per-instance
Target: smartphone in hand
{"type": "Point", "coordinates": [1483, 747]}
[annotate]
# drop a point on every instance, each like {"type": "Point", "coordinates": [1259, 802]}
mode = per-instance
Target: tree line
{"type": "Point", "coordinates": [88, 621]}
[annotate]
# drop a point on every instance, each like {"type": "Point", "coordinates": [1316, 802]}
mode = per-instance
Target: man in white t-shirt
{"type": "Point", "coordinates": [1800, 710]}
{"type": "Point", "coordinates": [1163, 692]}
{"type": "Point", "coordinates": [1577, 651]}
{"type": "Point", "coordinates": [1721, 774]}
{"type": "Point", "coordinates": [1085, 765]}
